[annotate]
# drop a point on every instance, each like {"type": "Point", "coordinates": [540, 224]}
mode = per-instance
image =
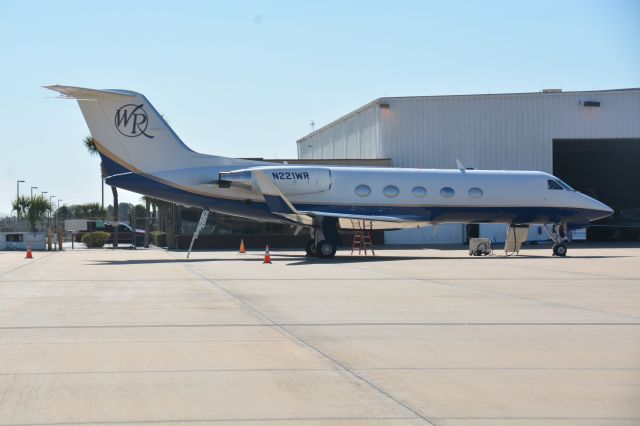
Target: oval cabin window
{"type": "Point", "coordinates": [475, 193]}
{"type": "Point", "coordinates": [419, 191]}
{"type": "Point", "coordinates": [391, 191]}
{"type": "Point", "coordinates": [447, 192]}
{"type": "Point", "coordinates": [363, 190]}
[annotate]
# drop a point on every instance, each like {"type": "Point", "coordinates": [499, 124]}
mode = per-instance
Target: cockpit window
{"type": "Point", "coordinates": [552, 184]}
{"type": "Point", "coordinates": [564, 185]}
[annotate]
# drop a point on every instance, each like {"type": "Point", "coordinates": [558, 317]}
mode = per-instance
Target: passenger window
{"type": "Point", "coordinates": [475, 193]}
{"type": "Point", "coordinates": [552, 184]}
{"type": "Point", "coordinates": [363, 190]}
{"type": "Point", "coordinates": [419, 191]}
{"type": "Point", "coordinates": [447, 192]}
{"type": "Point", "coordinates": [391, 191]}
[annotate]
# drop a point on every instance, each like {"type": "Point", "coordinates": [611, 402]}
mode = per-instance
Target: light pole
{"type": "Point", "coordinates": [17, 197]}
{"type": "Point", "coordinates": [18, 188]}
{"type": "Point", "coordinates": [32, 188]}
{"type": "Point", "coordinates": [42, 195]}
{"type": "Point", "coordinates": [58, 213]}
{"type": "Point", "coordinates": [51, 204]}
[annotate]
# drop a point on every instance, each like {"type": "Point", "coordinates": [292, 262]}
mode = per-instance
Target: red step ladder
{"type": "Point", "coordinates": [362, 237]}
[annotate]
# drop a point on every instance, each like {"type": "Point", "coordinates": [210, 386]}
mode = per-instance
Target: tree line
{"type": "Point", "coordinates": [38, 208]}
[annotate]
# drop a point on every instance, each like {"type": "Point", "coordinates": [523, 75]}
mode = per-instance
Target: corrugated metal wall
{"type": "Point", "coordinates": [353, 136]}
{"type": "Point", "coordinates": [510, 131]}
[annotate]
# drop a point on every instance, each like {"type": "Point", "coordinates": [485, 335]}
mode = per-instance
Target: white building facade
{"type": "Point", "coordinates": [497, 131]}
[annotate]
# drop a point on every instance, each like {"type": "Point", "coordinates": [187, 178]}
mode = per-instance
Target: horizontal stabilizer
{"type": "Point", "coordinates": [82, 93]}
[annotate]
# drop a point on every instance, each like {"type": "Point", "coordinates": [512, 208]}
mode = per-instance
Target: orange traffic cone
{"type": "Point", "coordinates": [267, 256]}
{"type": "Point", "coordinates": [29, 255]}
{"type": "Point", "coordinates": [242, 245]}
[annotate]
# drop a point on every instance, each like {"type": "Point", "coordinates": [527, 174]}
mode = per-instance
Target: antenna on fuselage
{"type": "Point", "coordinates": [460, 165]}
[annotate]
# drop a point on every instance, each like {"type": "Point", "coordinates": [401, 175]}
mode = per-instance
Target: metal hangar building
{"type": "Point", "coordinates": [590, 139]}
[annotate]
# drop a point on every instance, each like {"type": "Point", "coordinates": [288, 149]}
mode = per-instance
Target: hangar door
{"type": "Point", "coordinates": [608, 170]}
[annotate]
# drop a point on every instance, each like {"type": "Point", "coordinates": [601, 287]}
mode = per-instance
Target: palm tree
{"type": "Point", "coordinates": [20, 205]}
{"type": "Point", "coordinates": [168, 220]}
{"type": "Point", "coordinates": [33, 209]}
{"type": "Point", "coordinates": [148, 201]}
{"type": "Point", "coordinates": [90, 144]}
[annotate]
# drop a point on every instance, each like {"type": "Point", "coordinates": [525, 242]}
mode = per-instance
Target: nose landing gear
{"type": "Point", "coordinates": [560, 250]}
{"type": "Point", "coordinates": [558, 235]}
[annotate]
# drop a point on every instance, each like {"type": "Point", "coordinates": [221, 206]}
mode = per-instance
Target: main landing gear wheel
{"type": "Point", "coordinates": [310, 248]}
{"type": "Point", "coordinates": [325, 249]}
{"type": "Point", "coordinates": [560, 250]}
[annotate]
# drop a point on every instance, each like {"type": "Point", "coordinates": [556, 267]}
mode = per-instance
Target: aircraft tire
{"type": "Point", "coordinates": [560, 250]}
{"type": "Point", "coordinates": [310, 248]}
{"type": "Point", "coordinates": [325, 249]}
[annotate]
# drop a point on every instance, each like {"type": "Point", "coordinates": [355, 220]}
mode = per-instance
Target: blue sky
{"type": "Point", "coordinates": [245, 78]}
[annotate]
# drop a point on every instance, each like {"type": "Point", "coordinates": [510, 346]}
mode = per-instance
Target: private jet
{"type": "Point", "coordinates": [141, 153]}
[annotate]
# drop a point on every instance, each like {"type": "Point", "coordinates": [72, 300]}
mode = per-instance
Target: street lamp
{"type": "Point", "coordinates": [17, 197]}
{"type": "Point", "coordinates": [58, 215]}
{"type": "Point", "coordinates": [32, 188]}
{"type": "Point", "coordinates": [18, 188]}
{"type": "Point", "coordinates": [51, 204]}
{"type": "Point", "coordinates": [42, 195]}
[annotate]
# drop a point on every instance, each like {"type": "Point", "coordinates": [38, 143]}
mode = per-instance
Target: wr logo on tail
{"type": "Point", "coordinates": [132, 121]}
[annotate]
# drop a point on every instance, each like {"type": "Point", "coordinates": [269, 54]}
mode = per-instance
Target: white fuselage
{"type": "Point", "coordinates": [140, 152]}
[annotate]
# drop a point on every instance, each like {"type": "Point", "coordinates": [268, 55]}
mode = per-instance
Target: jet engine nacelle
{"type": "Point", "coordinates": [293, 180]}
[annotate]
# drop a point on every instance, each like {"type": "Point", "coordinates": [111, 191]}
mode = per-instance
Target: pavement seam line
{"type": "Point", "coordinates": [225, 420]}
{"type": "Point", "coordinates": [530, 299]}
{"type": "Point", "coordinates": [31, 262]}
{"type": "Point", "coordinates": [341, 366]}
{"type": "Point", "coordinates": [341, 324]}
{"type": "Point", "coordinates": [445, 283]}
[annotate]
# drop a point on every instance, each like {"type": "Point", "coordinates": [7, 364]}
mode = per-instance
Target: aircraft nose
{"type": "Point", "coordinates": [600, 210]}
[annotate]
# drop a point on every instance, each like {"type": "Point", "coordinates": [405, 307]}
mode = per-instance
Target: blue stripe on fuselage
{"type": "Point", "coordinates": [435, 214]}
{"type": "Point", "coordinates": [144, 185]}
{"type": "Point", "coordinates": [110, 167]}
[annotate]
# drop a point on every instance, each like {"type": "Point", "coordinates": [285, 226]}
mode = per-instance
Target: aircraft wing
{"type": "Point", "coordinates": [280, 205]}
{"type": "Point", "coordinates": [355, 216]}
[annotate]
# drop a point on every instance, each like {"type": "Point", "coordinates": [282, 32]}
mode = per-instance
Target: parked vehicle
{"type": "Point", "coordinates": [125, 232]}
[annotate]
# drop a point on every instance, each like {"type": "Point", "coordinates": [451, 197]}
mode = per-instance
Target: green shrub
{"type": "Point", "coordinates": [95, 239]}
{"type": "Point", "coordinates": [159, 239]}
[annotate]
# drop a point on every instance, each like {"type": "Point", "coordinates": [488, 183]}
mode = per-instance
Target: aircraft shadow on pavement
{"type": "Point", "coordinates": [302, 259]}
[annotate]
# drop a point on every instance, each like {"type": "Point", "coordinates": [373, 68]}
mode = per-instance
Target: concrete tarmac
{"type": "Point", "coordinates": [408, 337]}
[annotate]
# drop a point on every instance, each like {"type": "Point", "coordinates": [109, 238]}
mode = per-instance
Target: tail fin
{"type": "Point", "coordinates": [129, 131]}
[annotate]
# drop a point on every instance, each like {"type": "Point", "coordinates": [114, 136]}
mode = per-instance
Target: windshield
{"type": "Point", "coordinates": [552, 184]}
{"type": "Point", "coordinates": [564, 185]}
